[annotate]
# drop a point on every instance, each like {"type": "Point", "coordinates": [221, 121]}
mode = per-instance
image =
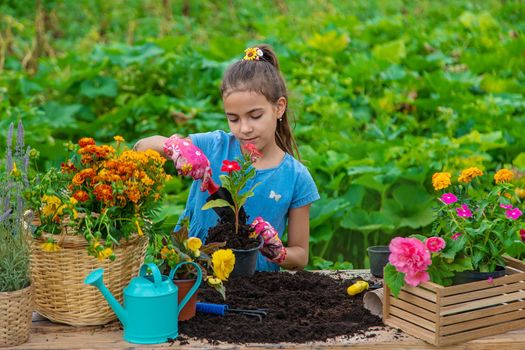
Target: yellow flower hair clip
{"type": "Point", "coordinates": [253, 54]}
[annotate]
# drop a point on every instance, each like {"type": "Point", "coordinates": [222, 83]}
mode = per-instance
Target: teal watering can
{"type": "Point", "coordinates": [150, 314]}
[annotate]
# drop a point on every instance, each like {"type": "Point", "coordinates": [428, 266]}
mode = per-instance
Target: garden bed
{"type": "Point", "coordinates": [301, 307]}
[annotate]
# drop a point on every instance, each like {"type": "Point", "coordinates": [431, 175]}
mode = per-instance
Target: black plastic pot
{"type": "Point", "coordinates": [475, 276]}
{"type": "Point", "coordinates": [378, 256]}
{"type": "Point", "coordinates": [245, 261]}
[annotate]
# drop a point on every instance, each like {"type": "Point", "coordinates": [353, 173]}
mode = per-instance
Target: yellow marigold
{"type": "Point", "coordinates": [118, 138]}
{"type": "Point", "coordinates": [503, 175]}
{"type": "Point", "coordinates": [165, 252]}
{"type": "Point", "coordinates": [520, 192]}
{"type": "Point", "coordinates": [50, 247]}
{"type": "Point", "coordinates": [139, 230]}
{"type": "Point", "coordinates": [469, 174]}
{"type": "Point", "coordinates": [104, 254]}
{"type": "Point", "coordinates": [51, 205]}
{"type": "Point", "coordinates": [223, 262]}
{"type": "Point", "coordinates": [214, 281]}
{"type": "Point", "coordinates": [441, 180]}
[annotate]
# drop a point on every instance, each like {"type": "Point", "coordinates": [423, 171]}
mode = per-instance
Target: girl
{"type": "Point", "coordinates": [255, 102]}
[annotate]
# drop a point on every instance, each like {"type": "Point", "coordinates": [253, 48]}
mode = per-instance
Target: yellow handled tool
{"type": "Point", "coordinates": [357, 287]}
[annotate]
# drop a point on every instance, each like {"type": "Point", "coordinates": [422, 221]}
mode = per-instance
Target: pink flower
{"type": "Point", "coordinates": [456, 236]}
{"type": "Point", "coordinates": [490, 280]}
{"type": "Point", "coordinates": [513, 214]}
{"type": "Point", "coordinates": [435, 244]}
{"type": "Point", "coordinates": [522, 234]}
{"type": "Point", "coordinates": [464, 211]}
{"type": "Point", "coordinates": [409, 255]}
{"type": "Point", "coordinates": [448, 198]}
{"type": "Point", "coordinates": [414, 279]}
{"type": "Point", "coordinates": [506, 206]}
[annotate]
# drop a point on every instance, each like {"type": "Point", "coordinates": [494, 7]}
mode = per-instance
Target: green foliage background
{"type": "Point", "coordinates": [384, 93]}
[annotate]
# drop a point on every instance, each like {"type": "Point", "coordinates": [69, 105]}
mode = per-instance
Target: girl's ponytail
{"type": "Point", "coordinates": [259, 71]}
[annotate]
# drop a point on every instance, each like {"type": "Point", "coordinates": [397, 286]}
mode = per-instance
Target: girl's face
{"type": "Point", "coordinates": [252, 118]}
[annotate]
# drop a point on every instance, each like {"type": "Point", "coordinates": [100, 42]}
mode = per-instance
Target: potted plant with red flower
{"type": "Point", "coordinates": [232, 227]}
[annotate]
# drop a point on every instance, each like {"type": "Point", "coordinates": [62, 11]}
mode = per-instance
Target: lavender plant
{"type": "Point", "coordinates": [14, 243]}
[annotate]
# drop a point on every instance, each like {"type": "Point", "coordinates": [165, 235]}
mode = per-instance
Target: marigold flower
{"type": "Point", "coordinates": [86, 141]}
{"type": "Point", "coordinates": [469, 174]}
{"type": "Point", "coordinates": [51, 205]}
{"type": "Point", "coordinates": [520, 192]}
{"type": "Point", "coordinates": [165, 252]}
{"type": "Point", "coordinates": [118, 138]}
{"type": "Point", "coordinates": [50, 247]}
{"type": "Point", "coordinates": [223, 262]}
{"type": "Point", "coordinates": [503, 175]}
{"type": "Point", "coordinates": [441, 180]}
{"type": "Point", "coordinates": [104, 254]}
{"type": "Point", "coordinates": [103, 193]}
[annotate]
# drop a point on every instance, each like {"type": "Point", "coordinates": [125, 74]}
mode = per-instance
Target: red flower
{"type": "Point", "coordinates": [253, 151]}
{"type": "Point", "coordinates": [522, 234]}
{"type": "Point", "coordinates": [229, 166]}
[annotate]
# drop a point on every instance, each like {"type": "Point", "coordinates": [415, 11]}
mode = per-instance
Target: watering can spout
{"type": "Point", "coordinates": [95, 278]}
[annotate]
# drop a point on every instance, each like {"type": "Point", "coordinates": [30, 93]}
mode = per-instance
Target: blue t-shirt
{"type": "Point", "coordinates": [288, 185]}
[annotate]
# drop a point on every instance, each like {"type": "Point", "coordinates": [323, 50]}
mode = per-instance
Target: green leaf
{"type": "Point", "coordinates": [216, 203]}
{"type": "Point", "coordinates": [99, 86]}
{"type": "Point", "coordinates": [393, 279]}
{"type": "Point", "coordinates": [393, 51]}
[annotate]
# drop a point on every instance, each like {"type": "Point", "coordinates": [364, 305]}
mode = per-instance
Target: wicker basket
{"type": "Point", "coordinates": [16, 309]}
{"type": "Point", "coordinates": [58, 278]}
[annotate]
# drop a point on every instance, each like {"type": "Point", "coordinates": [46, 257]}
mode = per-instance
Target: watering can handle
{"type": "Point", "coordinates": [196, 285]}
{"type": "Point", "coordinates": [157, 278]}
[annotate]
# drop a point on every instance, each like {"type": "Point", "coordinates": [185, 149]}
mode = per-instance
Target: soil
{"type": "Point", "coordinates": [224, 231]}
{"type": "Point", "coordinates": [301, 307]}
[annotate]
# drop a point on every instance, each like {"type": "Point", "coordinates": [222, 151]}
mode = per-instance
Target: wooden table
{"type": "Point", "coordinates": [48, 335]}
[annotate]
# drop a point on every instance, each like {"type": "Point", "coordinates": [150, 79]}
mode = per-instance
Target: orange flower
{"type": "Point", "coordinates": [520, 192]}
{"type": "Point", "coordinates": [118, 138]}
{"type": "Point", "coordinates": [103, 193]}
{"type": "Point", "coordinates": [469, 174]}
{"type": "Point", "coordinates": [503, 175]}
{"type": "Point", "coordinates": [441, 180]}
{"type": "Point", "coordinates": [86, 141]}
{"type": "Point", "coordinates": [81, 196]}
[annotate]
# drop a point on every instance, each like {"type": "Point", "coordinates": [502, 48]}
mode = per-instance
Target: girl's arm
{"type": "Point", "coordinates": [155, 143]}
{"type": "Point", "coordinates": [298, 238]}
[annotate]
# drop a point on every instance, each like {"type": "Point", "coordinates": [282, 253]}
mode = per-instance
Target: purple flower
{"type": "Point", "coordinates": [464, 211]}
{"type": "Point", "coordinates": [506, 206]}
{"type": "Point", "coordinates": [448, 198]}
{"type": "Point", "coordinates": [513, 214]}
{"type": "Point", "coordinates": [456, 235]}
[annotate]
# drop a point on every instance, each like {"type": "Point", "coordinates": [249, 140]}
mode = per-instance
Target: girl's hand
{"type": "Point", "coordinates": [190, 160]}
{"type": "Point", "coordinates": [272, 248]}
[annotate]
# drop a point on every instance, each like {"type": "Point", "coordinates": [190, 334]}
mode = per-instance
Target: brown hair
{"type": "Point", "coordinates": [263, 76]}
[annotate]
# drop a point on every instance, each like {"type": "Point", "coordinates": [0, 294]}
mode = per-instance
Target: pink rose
{"type": "Point", "coordinates": [409, 255]}
{"type": "Point", "coordinates": [456, 235]}
{"type": "Point", "coordinates": [435, 244]}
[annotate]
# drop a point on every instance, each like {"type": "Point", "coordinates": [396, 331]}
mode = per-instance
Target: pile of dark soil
{"type": "Point", "coordinates": [301, 307]}
{"type": "Point", "coordinates": [224, 231]}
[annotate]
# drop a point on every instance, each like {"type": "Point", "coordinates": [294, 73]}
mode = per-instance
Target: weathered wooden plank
{"type": "Point", "coordinates": [490, 311]}
{"type": "Point", "coordinates": [480, 294]}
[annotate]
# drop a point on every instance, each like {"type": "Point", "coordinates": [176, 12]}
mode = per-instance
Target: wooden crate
{"type": "Point", "coordinates": [447, 315]}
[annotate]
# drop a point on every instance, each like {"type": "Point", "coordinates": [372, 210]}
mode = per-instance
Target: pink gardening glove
{"type": "Point", "coordinates": [189, 160]}
{"type": "Point", "coordinates": [272, 248]}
